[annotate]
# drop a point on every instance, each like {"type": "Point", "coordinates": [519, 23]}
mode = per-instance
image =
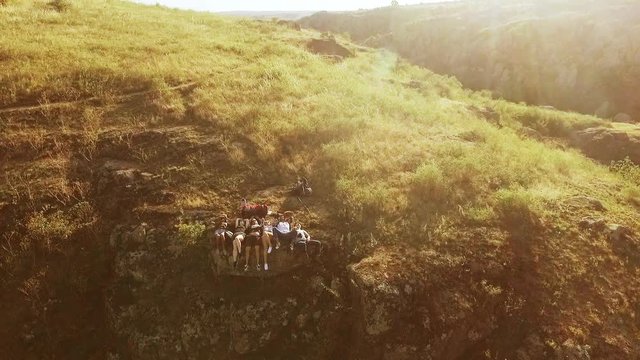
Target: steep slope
{"type": "Point", "coordinates": [574, 55]}
{"type": "Point", "coordinates": [450, 232]}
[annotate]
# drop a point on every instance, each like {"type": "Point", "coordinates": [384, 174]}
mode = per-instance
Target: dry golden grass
{"type": "Point", "coordinates": [385, 156]}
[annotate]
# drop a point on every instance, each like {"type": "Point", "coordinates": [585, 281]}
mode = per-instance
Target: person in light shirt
{"type": "Point", "coordinates": [282, 231]}
{"type": "Point", "coordinates": [302, 236]}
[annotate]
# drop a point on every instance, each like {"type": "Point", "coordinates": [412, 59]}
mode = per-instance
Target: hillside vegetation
{"type": "Point", "coordinates": [574, 55]}
{"type": "Point", "coordinates": [467, 230]}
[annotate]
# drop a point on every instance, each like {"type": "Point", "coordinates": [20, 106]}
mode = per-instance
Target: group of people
{"type": "Point", "coordinates": [253, 229]}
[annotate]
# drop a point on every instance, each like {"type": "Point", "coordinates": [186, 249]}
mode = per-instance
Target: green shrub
{"type": "Point", "coordinates": [46, 229]}
{"type": "Point", "coordinates": [55, 225]}
{"type": "Point", "coordinates": [479, 215]}
{"type": "Point", "coordinates": [627, 169]}
{"type": "Point", "coordinates": [190, 233]}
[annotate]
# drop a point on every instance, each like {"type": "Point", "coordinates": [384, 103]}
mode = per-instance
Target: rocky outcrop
{"type": "Point", "coordinates": [329, 47]}
{"type": "Point", "coordinates": [167, 302]}
{"type": "Point", "coordinates": [608, 144]}
{"type": "Point", "coordinates": [406, 307]}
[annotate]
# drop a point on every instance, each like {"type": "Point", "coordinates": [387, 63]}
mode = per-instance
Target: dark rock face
{"type": "Point", "coordinates": [328, 47]}
{"type": "Point", "coordinates": [606, 145]}
{"type": "Point", "coordinates": [173, 299]}
{"type": "Point", "coordinates": [509, 49]}
{"type": "Point", "coordinates": [402, 309]}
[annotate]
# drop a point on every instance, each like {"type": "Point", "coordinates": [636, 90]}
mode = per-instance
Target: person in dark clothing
{"type": "Point", "coordinates": [253, 240]}
{"type": "Point", "coordinates": [238, 238]}
{"type": "Point", "coordinates": [302, 187]}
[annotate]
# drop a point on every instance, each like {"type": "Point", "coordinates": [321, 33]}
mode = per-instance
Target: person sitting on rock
{"type": "Point", "coordinates": [303, 238]}
{"type": "Point", "coordinates": [222, 234]}
{"type": "Point", "coordinates": [252, 240]}
{"type": "Point", "coordinates": [288, 217]}
{"type": "Point", "coordinates": [267, 235]}
{"type": "Point", "coordinates": [238, 238]}
{"type": "Point", "coordinates": [282, 230]}
{"type": "Point", "coordinates": [302, 187]}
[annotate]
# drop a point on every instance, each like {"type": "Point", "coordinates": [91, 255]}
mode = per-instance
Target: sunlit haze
{"type": "Point", "coordinates": [278, 5]}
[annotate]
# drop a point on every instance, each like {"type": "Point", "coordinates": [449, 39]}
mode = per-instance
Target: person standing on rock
{"type": "Point", "coordinates": [254, 236]}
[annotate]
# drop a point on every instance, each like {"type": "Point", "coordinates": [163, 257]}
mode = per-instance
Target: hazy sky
{"type": "Point", "coordinates": [274, 5]}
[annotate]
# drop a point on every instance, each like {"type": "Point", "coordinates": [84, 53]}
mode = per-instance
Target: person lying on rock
{"type": "Point", "coordinates": [282, 231]}
{"type": "Point", "coordinates": [238, 238]}
{"type": "Point", "coordinates": [252, 240]}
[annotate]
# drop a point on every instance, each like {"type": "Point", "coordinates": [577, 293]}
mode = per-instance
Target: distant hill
{"type": "Point", "coordinates": [574, 55]}
{"type": "Point", "coordinates": [284, 15]}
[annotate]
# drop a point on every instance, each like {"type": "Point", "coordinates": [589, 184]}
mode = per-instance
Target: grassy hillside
{"type": "Point", "coordinates": [574, 55]}
{"type": "Point", "coordinates": [215, 108]}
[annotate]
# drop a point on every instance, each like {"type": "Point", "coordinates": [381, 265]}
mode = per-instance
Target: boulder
{"type": "Point", "coordinates": [618, 233]}
{"type": "Point", "coordinates": [608, 144]}
{"type": "Point", "coordinates": [585, 202]}
{"type": "Point", "coordinates": [624, 243]}
{"type": "Point", "coordinates": [592, 223]}
{"type": "Point", "coordinates": [623, 118]}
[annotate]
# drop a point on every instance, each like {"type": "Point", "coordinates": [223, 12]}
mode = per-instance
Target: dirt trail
{"type": "Point", "coordinates": [118, 98]}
